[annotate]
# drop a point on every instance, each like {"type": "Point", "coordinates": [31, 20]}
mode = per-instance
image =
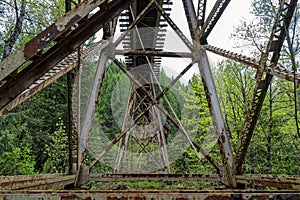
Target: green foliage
{"type": "Point", "coordinates": [17, 162]}
{"type": "Point", "coordinates": [57, 151]}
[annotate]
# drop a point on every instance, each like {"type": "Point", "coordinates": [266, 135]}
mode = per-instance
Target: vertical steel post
{"type": "Point", "coordinates": [90, 114]}
{"type": "Point", "coordinates": [73, 87]}
{"type": "Point", "coordinates": [218, 120]}
{"type": "Point", "coordinates": [212, 99]}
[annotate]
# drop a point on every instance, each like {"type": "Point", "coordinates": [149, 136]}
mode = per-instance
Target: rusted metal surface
{"type": "Point", "coordinates": [151, 194]}
{"type": "Point", "coordinates": [59, 70]}
{"type": "Point", "coordinates": [89, 114]}
{"type": "Point", "coordinates": [225, 148]}
{"type": "Point", "coordinates": [47, 181]}
{"type": "Point", "coordinates": [44, 181]}
{"type": "Point", "coordinates": [191, 17]}
{"type": "Point", "coordinates": [73, 98]}
{"type": "Point", "coordinates": [154, 177]}
{"type": "Point", "coordinates": [50, 58]}
{"type": "Point", "coordinates": [217, 119]}
{"type": "Point", "coordinates": [153, 53]}
{"type": "Point", "coordinates": [270, 180]}
{"type": "Point", "coordinates": [270, 68]}
{"type": "Point", "coordinates": [228, 177]}
{"type": "Point", "coordinates": [57, 29]}
{"type": "Point", "coordinates": [212, 19]}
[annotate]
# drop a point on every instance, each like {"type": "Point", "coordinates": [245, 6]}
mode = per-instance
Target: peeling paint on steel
{"type": "Point", "coordinates": [30, 49]}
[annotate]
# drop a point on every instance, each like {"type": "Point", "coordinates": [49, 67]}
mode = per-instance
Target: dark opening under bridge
{"type": "Point", "coordinates": [59, 50]}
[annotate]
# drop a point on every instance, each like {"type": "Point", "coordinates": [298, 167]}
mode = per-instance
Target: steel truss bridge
{"type": "Point", "coordinates": [59, 50]}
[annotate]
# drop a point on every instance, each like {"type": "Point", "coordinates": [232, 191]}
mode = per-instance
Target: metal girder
{"type": "Point", "coordinates": [134, 22]}
{"type": "Point", "coordinates": [191, 17]}
{"type": "Point", "coordinates": [73, 101]}
{"type": "Point", "coordinates": [269, 180]}
{"type": "Point", "coordinates": [212, 19]}
{"type": "Point", "coordinates": [201, 12]}
{"type": "Point", "coordinates": [154, 177]}
{"type": "Point", "coordinates": [217, 118]}
{"type": "Point", "coordinates": [178, 125]}
{"type": "Point", "coordinates": [278, 34]}
{"type": "Point", "coordinates": [173, 26]}
{"type": "Point", "coordinates": [277, 71]}
{"type": "Point", "coordinates": [212, 97]}
{"type": "Point", "coordinates": [55, 73]}
{"type": "Point", "coordinates": [150, 194]}
{"type": "Point", "coordinates": [50, 58]}
{"type": "Point", "coordinates": [45, 181]}
{"type": "Point", "coordinates": [119, 136]}
{"type": "Point", "coordinates": [90, 109]}
{"type": "Point", "coordinates": [153, 53]}
{"type": "Point", "coordinates": [54, 31]}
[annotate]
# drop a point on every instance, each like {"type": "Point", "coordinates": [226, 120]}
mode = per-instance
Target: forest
{"type": "Point", "coordinates": [34, 139]}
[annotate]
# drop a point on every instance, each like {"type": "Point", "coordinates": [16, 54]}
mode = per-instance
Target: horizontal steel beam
{"type": "Point", "coordinates": [154, 177]}
{"type": "Point", "coordinates": [149, 194]}
{"type": "Point", "coordinates": [277, 71]}
{"type": "Point", "coordinates": [45, 181]}
{"type": "Point", "coordinates": [153, 53]}
{"type": "Point", "coordinates": [270, 180]}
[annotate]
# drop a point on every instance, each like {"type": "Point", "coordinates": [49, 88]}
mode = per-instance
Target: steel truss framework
{"type": "Point", "coordinates": [65, 54]}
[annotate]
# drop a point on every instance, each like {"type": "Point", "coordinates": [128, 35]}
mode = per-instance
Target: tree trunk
{"type": "Point", "coordinates": [14, 35]}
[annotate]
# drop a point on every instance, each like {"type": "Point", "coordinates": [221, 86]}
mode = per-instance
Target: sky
{"type": "Point", "coordinates": [236, 11]}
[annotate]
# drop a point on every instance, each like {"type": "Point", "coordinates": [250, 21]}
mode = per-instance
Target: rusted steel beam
{"type": "Point", "coordinates": [149, 194]}
{"type": "Point", "coordinates": [284, 16]}
{"type": "Point", "coordinates": [50, 58]}
{"type": "Point", "coordinates": [270, 69]}
{"type": "Point", "coordinates": [278, 181]}
{"type": "Point", "coordinates": [217, 119]}
{"type": "Point", "coordinates": [154, 177]}
{"type": "Point", "coordinates": [73, 101]}
{"type": "Point", "coordinates": [191, 17]}
{"type": "Point", "coordinates": [270, 180]}
{"type": "Point", "coordinates": [211, 94]}
{"type": "Point", "coordinates": [43, 39]}
{"type": "Point", "coordinates": [59, 70]}
{"type": "Point", "coordinates": [89, 114]}
{"type": "Point", "coordinates": [35, 181]}
{"type": "Point", "coordinates": [153, 53]}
